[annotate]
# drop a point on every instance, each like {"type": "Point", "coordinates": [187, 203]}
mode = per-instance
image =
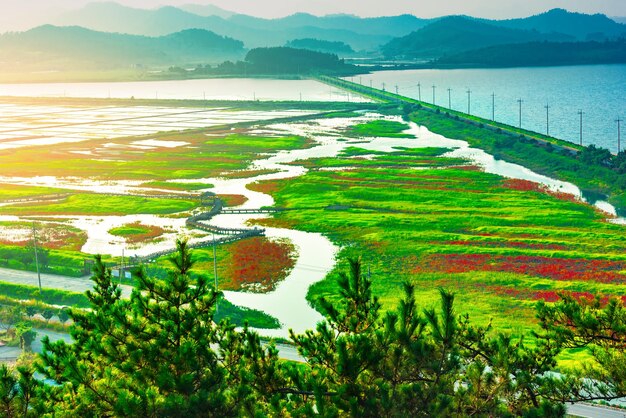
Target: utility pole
{"type": "Point", "coordinates": [215, 266]}
{"type": "Point", "coordinates": [618, 120]}
{"type": "Point", "coordinates": [396, 89]}
{"type": "Point", "coordinates": [383, 86]}
{"type": "Point", "coordinates": [493, 107]}
{"type": "Point", "coordinates": [547, 106]}
{"type": "Point", "coordinates": [449, 99]}
{"type": "Point", "coordinates": [36, 256]}
{"type": "Point", "coordinates": [580, 113]}
{"type": "Point", "coordinates": [520, 101]}
{"type": "Point", "coordinates": [469, 94]}
{"type": "Point", "coordinates": [370, 83]}
{"type": "Point", "coordinates": [361, 80]}
{"type": "Point", "coordinates": [122, 267]}
{"type": "Point", "coordinates": [434, 87]}
{"type": "Point", "coordinates": [419, 92]}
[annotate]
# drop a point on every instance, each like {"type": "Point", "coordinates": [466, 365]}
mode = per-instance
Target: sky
{"type": "Point", "coordinates": [22, 14]}
{"type": "Point", "coordinates": [421, 8]}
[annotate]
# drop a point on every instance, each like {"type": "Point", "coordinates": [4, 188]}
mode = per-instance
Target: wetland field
{"type": "Point", "coordinates": [349, 180]}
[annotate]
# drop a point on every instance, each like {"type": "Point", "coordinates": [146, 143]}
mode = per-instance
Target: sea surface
{"type": "Point", "coordinates": [205, 89]}
{"type": "Point", "coordinates": [599, 91]}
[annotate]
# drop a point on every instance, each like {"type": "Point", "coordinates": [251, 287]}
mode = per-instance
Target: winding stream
{"type": "Point", "coordinates": [316, 253]}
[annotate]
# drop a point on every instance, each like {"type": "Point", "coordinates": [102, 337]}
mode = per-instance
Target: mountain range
{"type": "Point", "coordinates": [109, 35]}
{"type": "Point", "coordinates": [51, 48]}
{"type": "Point", "coordinates": [454, 34]}
{"type": "Point", "coordinates": [254, 32]}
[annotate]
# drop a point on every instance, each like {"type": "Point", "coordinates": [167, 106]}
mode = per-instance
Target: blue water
{"type": "Point", "coordinates": [598, 90]}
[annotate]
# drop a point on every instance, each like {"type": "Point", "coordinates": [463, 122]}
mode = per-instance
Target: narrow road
{"type": "Point", "coordinates": [52, 281]}
{"type": "Point", "coordinates": [589, 411]}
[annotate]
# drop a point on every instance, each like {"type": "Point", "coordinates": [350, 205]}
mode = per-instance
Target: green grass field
{"type": "Point", "coordinates": [500, 245]}
{"type": "Point", "coordinates": [91, 204]}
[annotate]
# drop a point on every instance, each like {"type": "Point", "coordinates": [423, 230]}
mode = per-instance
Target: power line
{"type": "Point", "coordinates": [580, 113]}
{"type": "Point", "coordinates": [618, 120]}
{"type": "Point", "coordinates": [36, 256]}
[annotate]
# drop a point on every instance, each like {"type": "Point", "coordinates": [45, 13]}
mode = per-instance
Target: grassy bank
{"type": "Point", "coordinates": [500, 244]}
{"type": "Point", "coordinates": [541, 153]}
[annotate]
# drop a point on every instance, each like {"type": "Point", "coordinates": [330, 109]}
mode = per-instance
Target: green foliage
{"type": "Point", "coordinates": [597, 325]}
{"type": "Point", "coordinates": [563, 165]}
{"type": "Point", "coordinates": [336, 47]}
{"type": "Point", "coordinates": [595, 156]}
{"type": "Point", "coordinates": [283, 60]}
{"type": "Point", "coordinates": [539, 54]}
{"type": "Point", "coordinates": [158, 354]}
{"type": "Point", "coordinates": [85, 204]}
{"type": "Point", "coordinates": [18, 392]}
{"type": "Point", "coordinates": [381, 128]}
{"type": "Point", "coordinates": [412, 363]}
{"type": "Point", "coordinates": [50, 296]}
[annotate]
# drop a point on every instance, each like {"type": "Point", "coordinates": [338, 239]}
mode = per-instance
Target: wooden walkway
{"type": "Point", "coordinates": [198, 221]}
{"type": "Point", "coordinates": [243, 211]}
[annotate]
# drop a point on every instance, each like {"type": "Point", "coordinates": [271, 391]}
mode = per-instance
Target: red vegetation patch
{"type": "Point", "coordinates": [56, 236]}
{"type": "Point", "coordinates": [602, 271]}
{"type": "Point", "coordinates": [527, 186]}
{"type": "Point", "coordinates": [268, 187]}
{"type": "Point", "coordinates": [523, 185]}
{"type": "Point", "coordinates": [233, 199]}
{"type": "Point", "coordinates": [467, 167]}
{"type": "Point", "coordinates": [258, 264]}
{"type": "Point", "coordinates": [548, 295]}
{"type": "Point", "coordinates": [503, 244]}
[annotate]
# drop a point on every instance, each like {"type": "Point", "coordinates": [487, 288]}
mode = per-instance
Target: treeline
{"type": "Point", "coordinates": [336, 47]}
{"type": "Point", "coordinates": [540, 54]}
{"type": "Point", "coordinates": [161, 354]}
{"type": "Point", "coordinates": [278, 61]}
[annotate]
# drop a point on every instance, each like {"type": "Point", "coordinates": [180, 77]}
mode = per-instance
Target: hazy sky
{"type": "Point", "coordinates": [19, 14]}
{"type": "Point", "coordinates": [422, 8]}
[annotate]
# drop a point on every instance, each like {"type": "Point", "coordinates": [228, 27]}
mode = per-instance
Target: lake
{"type": "Point", "coordinates": [207, 89]}
{"type": "Point", "coordinates": [598, 90]}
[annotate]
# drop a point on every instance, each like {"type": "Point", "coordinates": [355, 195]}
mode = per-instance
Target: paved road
{"type": "Point", "coordinates": [588, 411]}
{"type": "Point", "coordinates": [51, 281]}
{"type": "Point", "coordinates": [12, 353]}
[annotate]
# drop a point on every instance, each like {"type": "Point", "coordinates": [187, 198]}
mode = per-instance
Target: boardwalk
{"type": "Point", "coordinates": [199, 221]}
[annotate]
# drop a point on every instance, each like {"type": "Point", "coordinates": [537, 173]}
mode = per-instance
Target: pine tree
{"type": "Point", "coordinates": [158, 354]}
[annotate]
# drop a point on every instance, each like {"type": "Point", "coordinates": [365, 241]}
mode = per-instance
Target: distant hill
{"type": "Point", "coordinates": [275, 61]}
{"type": "Point", "coordinates": [62, 48]}
{"type": "Point", "coordinates": [321, 46]}
{"type": "Point", "coordinates": [539, 54]}
{"type": "Point", "coordinates": [206, 10]}
{"type": "Point", "coordinates": [580, 26]}
{"type": "Point", "coordinates": [284, 60]}
{"type": "Point", "coordinates": [455, 34]}
{"type": "Point", "coordinates": [254, 32]}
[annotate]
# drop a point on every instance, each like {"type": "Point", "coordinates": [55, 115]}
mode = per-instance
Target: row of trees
{"type": "Point", "coordinates": [278, 60]}
{"type": "Point", "coordinates": [160, 354]}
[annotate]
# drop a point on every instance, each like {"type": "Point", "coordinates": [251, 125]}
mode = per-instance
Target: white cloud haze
{"type": "Point", "coordinates": [21, 14]}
